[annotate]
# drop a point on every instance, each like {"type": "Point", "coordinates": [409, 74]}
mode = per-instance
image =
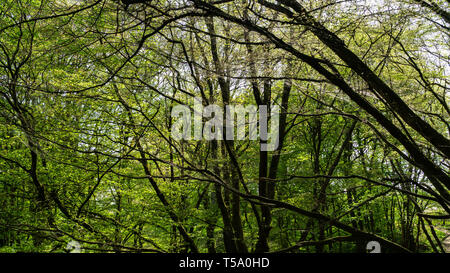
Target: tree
{"type": "Point", "coordinates": [87, 95]}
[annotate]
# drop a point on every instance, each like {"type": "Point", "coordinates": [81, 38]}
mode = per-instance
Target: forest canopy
{"type": "Point", "coordinates": [356, 92]}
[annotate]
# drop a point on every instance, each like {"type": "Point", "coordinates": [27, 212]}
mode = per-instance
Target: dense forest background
{"type": "Point", "coordinates": [87, 90]}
